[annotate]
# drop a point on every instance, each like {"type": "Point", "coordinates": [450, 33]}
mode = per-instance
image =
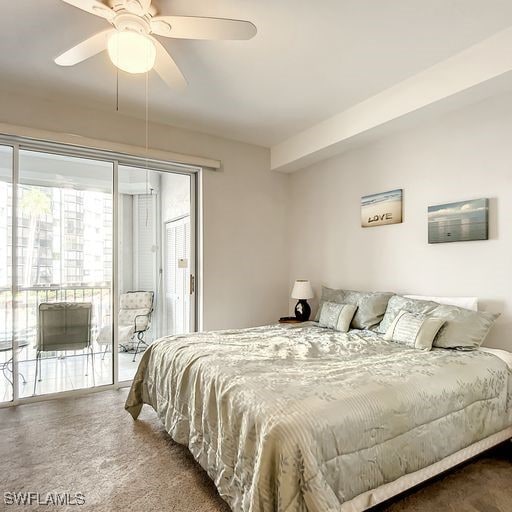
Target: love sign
{"type": "Point", "coordinates": [382, 208]}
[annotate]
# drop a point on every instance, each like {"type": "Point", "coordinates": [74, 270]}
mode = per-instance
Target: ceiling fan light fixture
{"type": "Point", "coordinates": [131, 51]}
{"type": "Point", "coordinates": [130, 40]}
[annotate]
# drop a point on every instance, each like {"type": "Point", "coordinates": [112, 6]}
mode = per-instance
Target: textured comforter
{"type": "Point", "coordinates": [287, 418]}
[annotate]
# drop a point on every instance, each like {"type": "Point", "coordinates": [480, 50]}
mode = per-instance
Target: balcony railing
{"type": "Point", "coordinates": [26, 305]}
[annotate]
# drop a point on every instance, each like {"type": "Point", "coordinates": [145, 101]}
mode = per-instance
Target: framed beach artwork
{"type": "Point", "coordinates": [381, 209]}
{"type": "Point", "coordinates": [458, 222]}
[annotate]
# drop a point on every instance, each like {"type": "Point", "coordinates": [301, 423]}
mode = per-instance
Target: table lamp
{"type": "Point", "coordinates": [302, 291]}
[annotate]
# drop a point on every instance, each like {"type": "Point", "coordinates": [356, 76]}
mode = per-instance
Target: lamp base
{"type": "Point", "coordinates": [302, 310]}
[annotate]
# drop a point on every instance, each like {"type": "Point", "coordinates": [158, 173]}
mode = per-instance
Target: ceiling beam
{"type": "Point", "coordinates": [476, 65]}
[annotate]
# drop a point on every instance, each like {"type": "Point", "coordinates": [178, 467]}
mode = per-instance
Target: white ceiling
{"type": "Point", "coordinates": [309, 60]}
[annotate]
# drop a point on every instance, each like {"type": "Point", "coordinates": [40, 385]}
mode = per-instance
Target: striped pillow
{"type": "Point", "coordinates": [336, 316]}
{"type": "Point", "coordinates": [415, 331]}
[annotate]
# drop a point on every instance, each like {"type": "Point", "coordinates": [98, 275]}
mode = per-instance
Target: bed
{"type": "Point", "coordinates": [299, 418]}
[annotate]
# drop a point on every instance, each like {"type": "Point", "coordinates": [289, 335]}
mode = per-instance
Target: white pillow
{"type": "Point", "coordinates": [462, 302]}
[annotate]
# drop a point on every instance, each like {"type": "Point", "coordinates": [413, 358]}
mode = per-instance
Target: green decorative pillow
{"type": "Point", "coordinates": [463, 329]}
{"type": "Point", "coordinates": [371, 306]}
{"type": "Point", "coordinates": [398, 303]}
{"type": "Point", "coordinates": [329, 295]}
{"type": "Point", "coordinates": [417, 331]}
{"type": "Point", "coordinates": [336, 316]}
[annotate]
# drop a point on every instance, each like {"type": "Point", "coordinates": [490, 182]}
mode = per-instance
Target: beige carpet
{"type": "Point", "coordinates": [91, 445]}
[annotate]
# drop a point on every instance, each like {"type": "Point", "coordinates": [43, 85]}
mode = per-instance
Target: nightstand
{"type": "Point", "coordinates": [289, 320]}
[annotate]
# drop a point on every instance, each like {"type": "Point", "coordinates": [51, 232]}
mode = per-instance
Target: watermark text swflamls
{"type": "Point", "coordinates": [49, 498]}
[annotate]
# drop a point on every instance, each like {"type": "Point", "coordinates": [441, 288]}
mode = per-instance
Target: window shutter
{"type": "Point", "coordinates": [177, 300]}
{"type": "Point", "coordinates": [145, 238]}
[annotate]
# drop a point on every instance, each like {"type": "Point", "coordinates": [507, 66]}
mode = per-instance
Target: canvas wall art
{"type": "Point", "coordinates": [458, 222]}
{"type": "Point", "coordinates": [380, 209]}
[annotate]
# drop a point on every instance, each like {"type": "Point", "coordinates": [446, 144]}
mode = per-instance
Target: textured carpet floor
{"type": "Point", "coordinates": [91, 445]}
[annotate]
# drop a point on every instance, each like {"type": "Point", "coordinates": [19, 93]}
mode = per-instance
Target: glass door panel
{"type": "Point", "coordinates": [6, 337]}
{"type": "Point", "coordinates": [64, 262]}
{"type": "Point", "coordinates": [155, 259]}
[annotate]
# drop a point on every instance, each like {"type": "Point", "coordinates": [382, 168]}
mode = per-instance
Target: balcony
{"type": "Point", "coordinates": [61, 371]}
{"type": "Point", "coordinates": [58, 215]}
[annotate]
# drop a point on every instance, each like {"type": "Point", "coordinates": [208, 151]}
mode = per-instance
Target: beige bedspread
{"type": "Point", "coordinates": [287, 418]}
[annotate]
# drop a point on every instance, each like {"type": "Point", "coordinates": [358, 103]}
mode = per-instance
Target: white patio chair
{"type": "Point", "coordinates": [135, 312]}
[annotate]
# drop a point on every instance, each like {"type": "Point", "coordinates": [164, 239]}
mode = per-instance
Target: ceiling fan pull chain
{"type": "Point", "coordinates": [147, 148]}
{"type": "Point", "coordinates": [117, 89]}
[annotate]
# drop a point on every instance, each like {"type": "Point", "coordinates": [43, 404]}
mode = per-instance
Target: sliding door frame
{"type": "Point", "coordinates": [116, 159]}
{"type": "Point", "coordinates": [14, 269]}
{"type": "Point", "coordinates": [194, 173]}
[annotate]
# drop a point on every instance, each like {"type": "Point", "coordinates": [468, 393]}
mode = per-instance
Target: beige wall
{"type": "Point", "coordinates": [466, 154]}
{"type": "Point", "coordinates": [262, 230]}
{"type": "Point", "coordinates": [244, 206]}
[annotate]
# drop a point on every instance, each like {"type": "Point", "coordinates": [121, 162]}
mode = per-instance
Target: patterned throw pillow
{"type": "Point", "coordinates": [398, 303]}
{"type": "Point", "coordinates": [336, 316]}
{"type": "Point", "coordinates": [329, 295]}
{"type": "Point", "coordinates": [371, 306]}
{"type": "Point", "coordinates": [416, 331]}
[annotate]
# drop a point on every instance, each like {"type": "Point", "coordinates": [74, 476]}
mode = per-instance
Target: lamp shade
{"type": "Point", "coordinates": [132, 52]}
{"type": "Point", "coordinates": [302, 290]}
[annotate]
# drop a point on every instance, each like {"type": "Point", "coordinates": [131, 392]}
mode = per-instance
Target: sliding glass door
{"type": "Point", "coordinates": [97, 260]}
{"type": "Point", "coordinates": [156, 271]}
{"type": "Point", "coordinates": [63, 256]}
{"type": "Point", "coordinates": [6, 303]}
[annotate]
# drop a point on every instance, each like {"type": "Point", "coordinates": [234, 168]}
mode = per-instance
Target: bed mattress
{"type": "Point", "coordinates": [299, 418]}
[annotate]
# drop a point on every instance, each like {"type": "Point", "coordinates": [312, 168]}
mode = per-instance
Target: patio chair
{"type": "Point", "coordinates": [63, 326]}
{"type": "Point", "coordinates": [135, 312]}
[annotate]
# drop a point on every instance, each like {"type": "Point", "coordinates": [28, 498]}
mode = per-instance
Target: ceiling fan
{"type": "Point", "coordinates": [131, 44]}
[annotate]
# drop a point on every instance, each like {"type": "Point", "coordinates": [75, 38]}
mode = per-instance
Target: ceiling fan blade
{"type": "Point", "coordinates": [193, 27]}
{"type": "Point", "coordinates": [168, 69]}
{"type": "Point", "coordinates": [85, 49]}
{"type": "Point", "coordinates": [94, 7]}
{"type": "Point", "coordinates": [138, 7]}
